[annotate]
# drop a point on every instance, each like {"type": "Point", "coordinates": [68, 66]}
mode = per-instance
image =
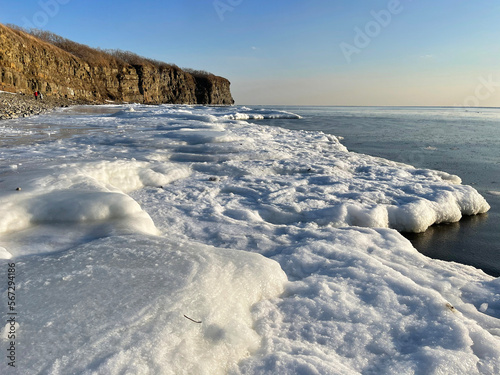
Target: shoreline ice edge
{"type": "Point", "coordinates": [357, 299]}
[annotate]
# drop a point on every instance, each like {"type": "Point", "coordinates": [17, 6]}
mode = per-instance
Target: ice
{"type": "Point", "coordinates": [187, 240]}
{"type": "Point", "coordinates": [375, 305]}
{"type": "Point", "coordinates": [4, 254]}
{"type": "Point", "coordinates": [317, 181]}
{"type": "Point", "coordinates": [117, 305]}
{"type": "Point", "coordinates": [78, 194]}
{"type": "Point", "coordinates": [260, 116]}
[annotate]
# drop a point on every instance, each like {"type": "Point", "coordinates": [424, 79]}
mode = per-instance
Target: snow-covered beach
{"type": "Point", "coordinates": [181, 239]}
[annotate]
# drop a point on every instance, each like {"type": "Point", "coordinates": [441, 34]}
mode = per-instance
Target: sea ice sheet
{"type": "Point", "coordinates": [282, 243]}
{"type": "Point", "coordinates": [117, 305]}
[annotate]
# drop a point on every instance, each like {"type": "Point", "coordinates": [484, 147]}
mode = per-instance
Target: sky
{"type": "Point", "coordinates": [291, 52]}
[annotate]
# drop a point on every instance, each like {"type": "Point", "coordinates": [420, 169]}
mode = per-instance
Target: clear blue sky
{"type": "Point", "coordinates": [418, 52]}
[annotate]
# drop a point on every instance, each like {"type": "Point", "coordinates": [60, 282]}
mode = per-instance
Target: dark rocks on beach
{"type": "Point", "coordinates": [17, 105]}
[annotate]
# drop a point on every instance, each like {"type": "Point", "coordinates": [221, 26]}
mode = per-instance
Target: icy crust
{"type": "Point", "coordinates": [67, 199]}
{"type": "Point", "coordinates": [305, 177]}
{"type": "Point", "coordinates": [159, 210]}
{"type": "Point", "coordinates": [131, 305]}
{"type": "Point", "coordinates": [364, 301]}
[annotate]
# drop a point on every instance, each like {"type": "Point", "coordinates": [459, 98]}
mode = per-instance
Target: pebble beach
{"type": "Point", "coordinates": [21, 105]}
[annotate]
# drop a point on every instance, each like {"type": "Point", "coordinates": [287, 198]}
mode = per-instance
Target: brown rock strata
{"type": "Point", "coordinates": [28, 64]}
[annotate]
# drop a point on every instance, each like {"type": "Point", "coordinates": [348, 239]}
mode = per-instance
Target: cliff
{"type": "Point", "coordinates": [28, 64]}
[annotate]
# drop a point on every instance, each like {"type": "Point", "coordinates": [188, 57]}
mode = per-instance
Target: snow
{"type": "Point", "coordinates": [78, 195]}
{"type": "Point", "coordinates": [117, 305]}
{"type": "Point", "coordinates": [143, 222]}
{"type": "Point", "coordinates": [374, 310]}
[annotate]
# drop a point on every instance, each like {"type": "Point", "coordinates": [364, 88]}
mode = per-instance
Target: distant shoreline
{"type": "Point", "coordinates": [369, 106]}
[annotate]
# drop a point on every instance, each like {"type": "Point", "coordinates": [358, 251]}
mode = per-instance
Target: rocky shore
{"type": "Point", "coordinates": [19, 105]}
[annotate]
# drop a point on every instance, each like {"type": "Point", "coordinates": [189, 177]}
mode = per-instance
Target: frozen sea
{"type": "Point", "coordinates": [461, 141]}
{"type": "Point", "coordinates": [202, 240]}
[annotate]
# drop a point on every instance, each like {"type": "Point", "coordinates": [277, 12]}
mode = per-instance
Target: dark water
{"type": "Point", "coordinates": [464, 142]}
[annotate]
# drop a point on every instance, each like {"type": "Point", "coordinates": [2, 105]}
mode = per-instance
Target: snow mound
{"type": "Point", "coordinates": [77, 197]}
{"type": "Point", "coordinates": [132, 305]}
{"type": "Point", "coordinates": [364, 301]}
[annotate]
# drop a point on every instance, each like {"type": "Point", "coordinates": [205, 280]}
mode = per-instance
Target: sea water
{"type": "Point", "coordinates": [461, 141]}
{"type": "Point", "coordinates": [191, 239]}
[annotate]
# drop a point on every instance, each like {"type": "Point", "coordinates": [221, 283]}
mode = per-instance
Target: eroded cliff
{"type": "Point", "coordinates": [28, 64]}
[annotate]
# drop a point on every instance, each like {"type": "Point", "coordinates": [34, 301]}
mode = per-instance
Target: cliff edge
{"type": "Point", "coordinates": [28, 64]}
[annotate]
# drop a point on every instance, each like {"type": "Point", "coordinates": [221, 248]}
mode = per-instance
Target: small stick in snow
{"type": "Point", "coordinates": [195, 321]}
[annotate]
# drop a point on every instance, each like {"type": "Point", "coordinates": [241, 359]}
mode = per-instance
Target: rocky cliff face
{"type": "Point", "coordinates": [28, 64]}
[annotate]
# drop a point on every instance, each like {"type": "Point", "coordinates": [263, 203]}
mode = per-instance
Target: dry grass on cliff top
{"type": "Point", "coordinates": [96, 56]}
{"type": "Point", "coordinates": [16, 34]}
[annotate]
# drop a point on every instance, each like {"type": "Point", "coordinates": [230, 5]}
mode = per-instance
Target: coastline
{"type": "Point", "coordinates": [199, 201]}
{"type": "Point", "coordinates": [443, 241]}
{"type": "Point", "coordinates": [462, 143]}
